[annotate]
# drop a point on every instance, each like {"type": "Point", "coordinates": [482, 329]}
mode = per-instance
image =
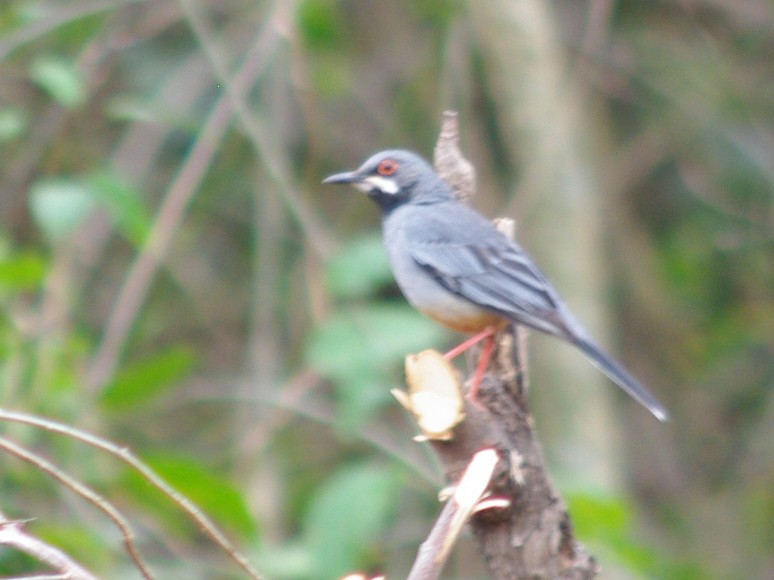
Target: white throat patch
{"type": "Point", "coordinates": [383, 184]}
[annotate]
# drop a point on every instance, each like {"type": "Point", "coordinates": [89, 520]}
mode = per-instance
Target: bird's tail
{"type": "Point", "coordinates": [621, 377]}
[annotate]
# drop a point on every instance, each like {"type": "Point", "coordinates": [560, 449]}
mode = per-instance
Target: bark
{"type": "Point", "coordinates": [533, 537]}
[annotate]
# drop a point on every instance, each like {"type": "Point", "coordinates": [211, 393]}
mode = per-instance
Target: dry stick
{"type": "Point", "coordinates": [307, 402]}
{"type": "Point", "coordinates": [13, 534]}
{"type": "Point", "coordinates": [85, 492]}
{"type": "Point", "coordinates": [435, 550]}
{"type": "Point", "coordinates": [534, 537]}
{"type": "Point", "coordinates": [170, 216]}
{"type": "Point", "coordinates": [127, 456]}
{"type": "Point", "coordinates": [53, 18]}
{"type": "Point", "coordinates": [261, 139]}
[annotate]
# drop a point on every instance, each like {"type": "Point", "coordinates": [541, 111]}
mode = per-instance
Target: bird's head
{"type": "Point", "coordinates": [394, 177]}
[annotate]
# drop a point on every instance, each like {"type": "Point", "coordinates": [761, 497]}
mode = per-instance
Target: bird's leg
{"type": "Point", "coordinates": [475, 339]}
{"type": "Point", "coordinates": [483, 363]}
{"type": "Point", "coordinates": [488, 334]}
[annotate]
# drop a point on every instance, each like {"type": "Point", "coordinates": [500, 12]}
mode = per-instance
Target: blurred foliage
{"type": "Point", "coordinates": [60, 79]}
{"type": "Point", "coordinates": [348, 517]}
{"type": "Point", "coordinates": [137, 383]}
{"type": "Point", "coordinates": [174, 277]}
{"type": "Point", "coordinates": [355, 349]}
{"type": "Point", "coordinates": [606, 524]}
{"type": "Point", "coordinates": [59, 206]}
{"type": "Point", "coordinates": [207, 490]}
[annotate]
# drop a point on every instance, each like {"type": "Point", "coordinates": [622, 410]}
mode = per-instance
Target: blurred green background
{"type": "Point", "coordinates": [174, 277]}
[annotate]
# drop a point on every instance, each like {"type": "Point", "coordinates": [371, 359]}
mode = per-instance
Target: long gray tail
{"type": "Point", "coordinates": [621, 377]}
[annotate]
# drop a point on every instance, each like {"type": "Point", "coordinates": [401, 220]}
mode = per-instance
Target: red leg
{"type": "Point", "coordinates": [488, 334]}
{"type": "Point", "coordinates": [483, 364]}
{"type": "Point", "coordinates": [489, 331]}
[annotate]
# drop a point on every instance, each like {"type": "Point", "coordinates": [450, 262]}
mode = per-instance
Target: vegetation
{"type": "Point", "coordinates": [174, 278]}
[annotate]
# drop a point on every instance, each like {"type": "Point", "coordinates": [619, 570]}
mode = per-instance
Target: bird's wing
{"type": "Point", "coordinates": [476, 262]}
{"type": "Point", "coordinates": [481, 265]}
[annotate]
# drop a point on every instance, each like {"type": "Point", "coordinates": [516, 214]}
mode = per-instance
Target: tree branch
{"type": "Point", "coordinates": [13, 534]}
{"type": "Point", "coordinates": [533, 537]}
{"type": "Point", "coordinates": [124, 454]}
{"type": "Point", "coordinates": [86, 493]}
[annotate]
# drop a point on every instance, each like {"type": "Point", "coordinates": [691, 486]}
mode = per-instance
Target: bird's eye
{"type": "Point", "coordinates": [387, 167]}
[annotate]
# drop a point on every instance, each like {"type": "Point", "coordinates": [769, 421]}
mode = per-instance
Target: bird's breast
{"type": "Point", "coordinates": [427, 294]}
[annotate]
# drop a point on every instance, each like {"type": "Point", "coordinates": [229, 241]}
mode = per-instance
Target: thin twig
{"type": "Point", "coordinates": [126, 455]}
{"type": "Point", "coordinates": [86, 493]}
{"type": "Point", "coordinates": [308, 403]}
{"type": "Point", "coordinates": [170, 215]}
{"type": "Point", "coordinates": [263, 141]}
{"type": "Point", "coordinates": [13, 534]}
{"type": "Point", "coordinates": [54, 18]}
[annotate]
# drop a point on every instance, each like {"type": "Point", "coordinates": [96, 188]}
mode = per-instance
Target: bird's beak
{"type": "Point", "coordinates": [365, 182]}
{"type": "Point", "coordinates": [346, 177]}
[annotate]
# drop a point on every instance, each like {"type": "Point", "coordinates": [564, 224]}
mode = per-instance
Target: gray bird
{"type": "Point", "coordinates": [454, 266]}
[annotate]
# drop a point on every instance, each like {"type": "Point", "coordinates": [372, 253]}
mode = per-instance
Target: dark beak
{"type": "Point", "coordinates": [346, 177]}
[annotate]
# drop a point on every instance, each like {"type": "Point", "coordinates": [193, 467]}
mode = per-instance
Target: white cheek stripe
{"type": "Point", "coordinates": [383, 184]}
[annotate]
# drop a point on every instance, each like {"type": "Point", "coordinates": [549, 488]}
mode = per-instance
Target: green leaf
{"type": "Point", "coordinates": [22, 271]}
{"type": "Point", "coordinates": [320, 25]}
{"type": "Point", "coordinates": [60, 79]}
{"type": "Point", "coordinates": [605, 521]}
{"type": "Point", "coordinates": [13, 123]}
{"type": "Point", "coordinates": [359, 268]}
{"type": "Point", "coordinates": [124, 203]}
{"type": "Point", "coordinates": [141, 382]}
{"type": "Point", "coordinates": [59, 205]}
{"type": "Point", "coordinates": [597, 515]}
{"type": "Point", "coordinates": [289, 559]}
{"type": "Point", "coordinates": [87, 546]}
{"type": "Point", "coordinates": [379, 334]}
{"type": "Point", "coordinates": [131, 108]}
{"type": "Point", "coordinates": [348, 516]}
{"type": "Point", "coordinates": [361, 348]}
{"type": "Point", "coordinates": [214, 495]}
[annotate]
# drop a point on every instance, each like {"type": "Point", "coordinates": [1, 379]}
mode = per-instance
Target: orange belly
{"type": "Point", "coordinates": [470, 321]}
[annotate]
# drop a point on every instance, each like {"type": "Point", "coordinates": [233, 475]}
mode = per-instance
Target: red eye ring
{"type": "Point", "coordinates": [387, 167]}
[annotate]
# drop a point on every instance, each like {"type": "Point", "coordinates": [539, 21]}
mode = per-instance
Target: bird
{"type": "Point", "coordinates": [453, 265]}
